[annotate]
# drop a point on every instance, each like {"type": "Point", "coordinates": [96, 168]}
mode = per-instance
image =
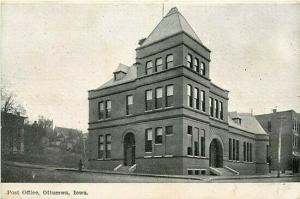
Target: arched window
{"type": "Point", "coordinates": [169, 61]}
{"type": "Point", "coordinates": [189, 96]}
{"type": "Point", "coordinates": [202, 68]}
{"type": "Point", "coordinates": [149, 67]}
{"type": "Point", "coordinates": [189, 61]}
{"type": "Point", "coordinates": [158, 65]}
{"type": "Point", "coordinates": [196, 65]}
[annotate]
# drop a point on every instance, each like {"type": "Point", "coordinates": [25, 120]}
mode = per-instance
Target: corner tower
{"type": "Point", "coordinates": [172, 36]}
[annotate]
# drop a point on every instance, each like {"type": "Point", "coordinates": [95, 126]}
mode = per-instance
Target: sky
{"type": "Point", "coordinates": [53, 53]}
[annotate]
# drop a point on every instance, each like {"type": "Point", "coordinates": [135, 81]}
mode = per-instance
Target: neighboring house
{"type": "Point", "coordinates": [12, 133]}
{"type": "Point", "coordinates": [67, 137]}
{"type": "Point", "coordinates": [288, 122]}
{"type": "Point", "coordinates": [164, 115]}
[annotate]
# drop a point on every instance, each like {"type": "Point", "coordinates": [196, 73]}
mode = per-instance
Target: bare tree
{"type": "Point", "coordinates": [9, 104]}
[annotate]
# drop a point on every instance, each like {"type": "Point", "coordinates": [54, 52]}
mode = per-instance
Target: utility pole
{"type": "Point", "coordinates": [279, 145]}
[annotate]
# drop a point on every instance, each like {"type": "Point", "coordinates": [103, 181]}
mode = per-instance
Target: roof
{"type": "Point", "coordinates": [171, 24]}
{"type": "Point", "coordinates": [249, 123]}
{"type": "Point", "coordinates": [66, 131]}
{"type": "Point", "coordinates": [131, 74]}
{"type": "Point", "coordinates": [122, 68]}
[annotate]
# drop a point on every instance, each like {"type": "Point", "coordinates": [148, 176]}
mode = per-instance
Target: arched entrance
{"type": "Point", "coordinates": [129, 149]}
{"type": "Point", "coordinates": [215, 154]}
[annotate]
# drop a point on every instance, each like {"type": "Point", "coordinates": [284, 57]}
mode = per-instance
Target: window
{"type": "Point", "coordinates": [197, 172]}
{"type": "Point", "coordinates": [196, 142]}
{"type": "Point", "coordinates": [100, 147]}
{"type": "Point", "coordinates": [129, 104]}
{"type": "Point", "coordinates": [216, 106]}
{"type": "Point", "coordinates": [221, 110]}
{"type": "Point", "coordinates": [250, 152]}
{"type": "Point", "coordinates": [148, 96]}
{"type": "Point", "coordinates": [190, 141]}
{"type": "Point", "coordinates": [158, 65]}
{"type": "Point", "coordinates": [189, 61]}
{"type": "Point", "coordinates": [169, 130]}
{"type": "Point", "coordinates": [230, 149]}
{"type": "Point", "coordinates": [158, 98]}
{"type": "Point", "coordinates": [190, 172]}
{"type": "Point", "coordinates": [202, 68]}
{"type": "Point", "coordinates": [190, 130]}
{"type": "Point", "coordinates": [108, 109]}
{"type": "Point", "coordinates": [169, 61]}
{"type": "Point", "coordinates": [196, 65]}
{"type": "Point", "coordinates": [237, 150]}
{"type": "Point", "coordinates": [245, 152]}
{"type": "Point", "coordinates": [101, 110]}
{"type": "Point", "coordinates": [203, 144]}
{"type": "Point", "coordinates": [233, 150]}
{"type": "Point", "coordinates": [119, 75]}
{"type": "Point", "coordinates": [189, 96]}
{"type": "Point", "coordinates": [108, 146]}
{"type": "Point", "coordinates": [158, 135]}
{"type": "Point", "coordinates": [170, 96]}
{"type": "Point", "coordinates": [149, 67]}
{"type": "Point", "coordinates": [202, 98]}
{"type": "Point", "coordinates": [211, 107]}
{"type": "Point", "coordinates": [196, 98]}
{"type": "Point", "coordinates": [269, 126]}
{"type": "Point", "coordinates": [148, 140]}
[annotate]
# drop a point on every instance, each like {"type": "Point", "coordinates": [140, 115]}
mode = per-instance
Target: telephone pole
{"type": "Point", "coordinates": [279, 145]}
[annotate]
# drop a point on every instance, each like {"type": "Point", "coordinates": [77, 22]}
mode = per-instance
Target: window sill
{"type": "Point", "coordinates": [170, 134]}
{"type": "Point", "coordinates": [157, 109]}
{"type": "Point", "coordinates": [147, 156]}
{"type": "Point", "coordinates": [148, 110]}
{"type": "Point", "coordinates": [158, 144]}
{"type": "Point", "coordinates": [158, 156]}
{"type": "Point", "coordinates": [148, 152]}
{"type": "Point", "coordinates": [168, 156]}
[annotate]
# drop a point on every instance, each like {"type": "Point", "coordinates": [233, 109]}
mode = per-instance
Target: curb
{"type": "Point", "coordinates": [132, 174]}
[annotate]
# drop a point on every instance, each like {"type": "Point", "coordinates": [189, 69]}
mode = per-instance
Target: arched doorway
{"type": "Point", "coordinates": [129, 149]}
{"type": "Point", "coordinates": [215, 154]}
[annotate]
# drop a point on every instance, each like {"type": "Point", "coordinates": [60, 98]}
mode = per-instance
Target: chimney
{"type": "Point", "coordinates": [274, 110]}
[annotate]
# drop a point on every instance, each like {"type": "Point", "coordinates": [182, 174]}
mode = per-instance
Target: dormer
{"type": "Point", "coordinates": [120, 72]}
{"type": "Point", "coordinates": [236, 118]}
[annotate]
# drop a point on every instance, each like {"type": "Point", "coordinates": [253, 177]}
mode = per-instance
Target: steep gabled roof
{"type": "Point", "coordinates": [171, 24]}
{"type": "Point", "coordinates": [249, 123]}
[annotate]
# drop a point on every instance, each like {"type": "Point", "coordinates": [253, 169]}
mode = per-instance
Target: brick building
{"type": "Point", "coordinates": [12, 133]}
{"type": "Point", "coordinates": [289, 124]}
{"type": "Point", "coordinates": [164, 115]}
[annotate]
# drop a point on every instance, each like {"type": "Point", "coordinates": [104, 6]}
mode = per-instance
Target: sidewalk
{"type": "Point", "coordinates": [205, 178]}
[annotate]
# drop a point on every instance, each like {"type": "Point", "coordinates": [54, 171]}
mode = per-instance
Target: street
{"type": "Point", "coordinates": [19, 172]}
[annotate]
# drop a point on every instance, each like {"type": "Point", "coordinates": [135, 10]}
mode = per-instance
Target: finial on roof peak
{"type": "Point", "coordinates": [172, 11]}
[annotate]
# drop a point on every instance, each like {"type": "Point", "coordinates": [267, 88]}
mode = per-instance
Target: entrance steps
{"type": "Point", "coordinates": [125, 169]}
{"type": "Point", "coordinates": [224, 171]}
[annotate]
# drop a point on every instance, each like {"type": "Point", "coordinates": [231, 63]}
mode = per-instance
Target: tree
{"type": "Point", "coordinates": [9, 104]}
